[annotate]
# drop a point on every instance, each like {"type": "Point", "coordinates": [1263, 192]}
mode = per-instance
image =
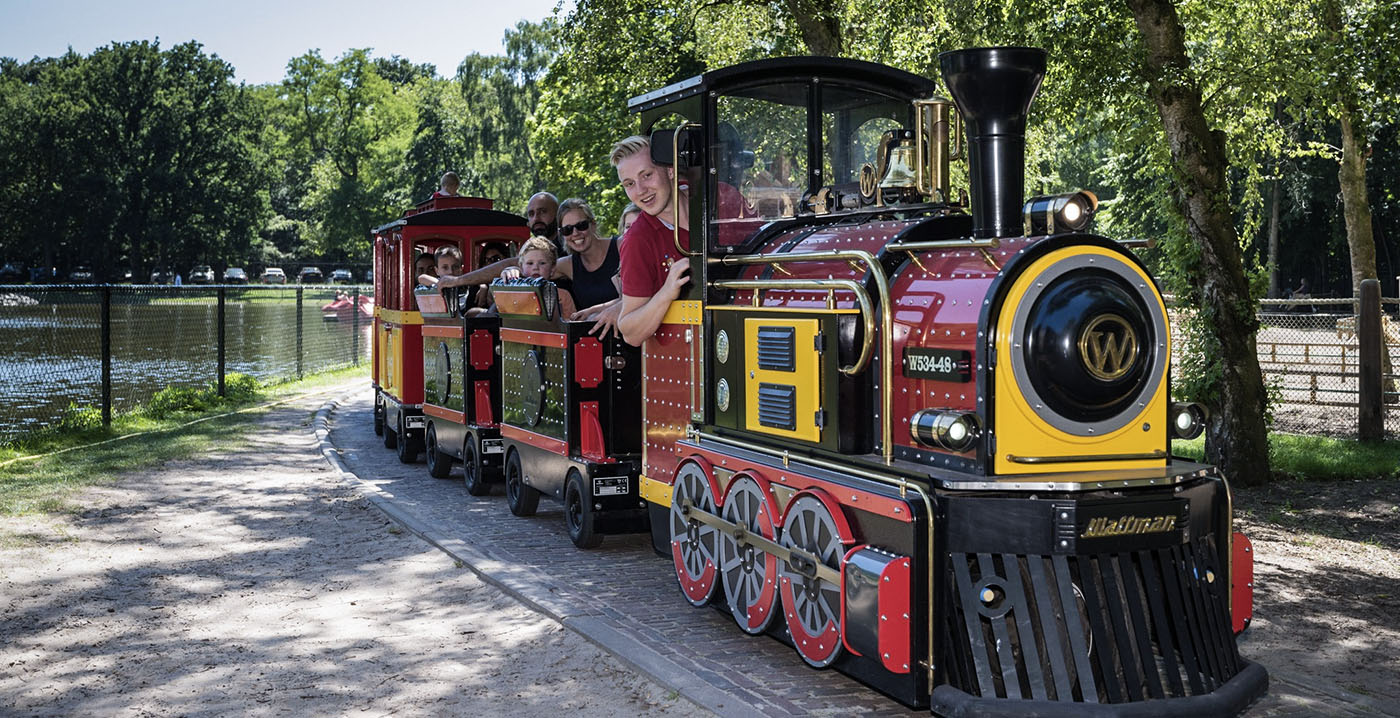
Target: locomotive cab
{"type": "Point", "coordinates": [922, 439]}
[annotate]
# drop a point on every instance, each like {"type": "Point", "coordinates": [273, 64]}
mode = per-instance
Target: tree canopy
{"type": "Point", "coordinates": [1254, 140]}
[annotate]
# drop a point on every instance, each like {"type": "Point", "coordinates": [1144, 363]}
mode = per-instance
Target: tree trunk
{"type": "Point", "coordinates": [1236, 440]}
{"type": "Point", "coordinates": [1356, 208]}
{"type": "Point", "coordinates": [820, 24]}
{"type": "Point", "coordinates": [1361, 241]}
{"type": "Point", "coordinates": [1274, 291]}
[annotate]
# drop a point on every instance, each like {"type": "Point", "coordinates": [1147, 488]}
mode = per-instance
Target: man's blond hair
{"type": "Point", "coordinates": [629, 146]}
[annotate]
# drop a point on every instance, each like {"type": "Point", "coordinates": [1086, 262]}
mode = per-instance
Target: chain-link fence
{"type": "Point", "coordinates": [1310, 354]}
{"type": "Point", "coordinates": [113, 347]}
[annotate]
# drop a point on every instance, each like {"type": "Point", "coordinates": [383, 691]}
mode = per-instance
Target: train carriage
{"type": "Point", "coordinates": [570, 416]}
{"type": "Point", "coordinates": [471, 225]}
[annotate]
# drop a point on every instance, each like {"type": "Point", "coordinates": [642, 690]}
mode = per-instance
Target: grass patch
{"type": "Point", "coordinates": [49, 484]}
{"type": "Point", "coordinates": [1292, 457]}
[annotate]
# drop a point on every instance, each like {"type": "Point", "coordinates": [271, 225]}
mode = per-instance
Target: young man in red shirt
{"type": "Point", "coordinates": [653, 271]}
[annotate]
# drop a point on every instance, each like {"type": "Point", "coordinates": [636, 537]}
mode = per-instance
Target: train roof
{"type": "Point", "coordinates": [455, 217]}
{"type": "Point", "coordinates": [778, 68]}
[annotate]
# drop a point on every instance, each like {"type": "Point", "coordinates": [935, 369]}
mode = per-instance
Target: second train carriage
{"type": "Point", "coordinates": [924, 441]}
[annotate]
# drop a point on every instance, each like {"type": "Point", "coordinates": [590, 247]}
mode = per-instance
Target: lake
{"type": "Point", "coordinates": [51, 354]}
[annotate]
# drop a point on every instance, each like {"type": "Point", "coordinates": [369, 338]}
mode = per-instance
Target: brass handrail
{"type": "Point", "coordinates": [882, 287]}
{"type": "Point", "coordinates": [943, 245]}
{"type": "Point", "coordinates": [867, 312]}
{"type": "Point", "coordinates": [1154, 454]}
{"type": "Point", "coordinates": [904, 486]}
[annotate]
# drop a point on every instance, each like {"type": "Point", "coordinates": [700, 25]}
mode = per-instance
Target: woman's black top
{"type": "Point", "coordinates": [595, 287]}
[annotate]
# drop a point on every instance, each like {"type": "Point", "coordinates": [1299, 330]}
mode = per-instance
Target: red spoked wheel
{"type": "Point", "coordinates": [694, 545]}
{"type": "Point", "coordinates": [813, 605]}
{"type": "Point", "coordinates": [750, 575]}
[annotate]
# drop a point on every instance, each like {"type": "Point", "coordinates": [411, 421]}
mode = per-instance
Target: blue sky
{"type": "Point", "coordinates": [258, 37]}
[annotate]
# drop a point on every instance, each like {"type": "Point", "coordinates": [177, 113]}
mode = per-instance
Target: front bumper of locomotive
{"type": "Point", "coordinates": [1103, 603]}
{"type": "Point", "coordinates": [1229, 699]}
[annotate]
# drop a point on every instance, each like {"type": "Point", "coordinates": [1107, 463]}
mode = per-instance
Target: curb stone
{"type": "Point", "coordinates": [535, 590]}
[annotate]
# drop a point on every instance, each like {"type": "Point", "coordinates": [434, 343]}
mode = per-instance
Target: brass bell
{"type": "Point", "coordinates": [901, 173]}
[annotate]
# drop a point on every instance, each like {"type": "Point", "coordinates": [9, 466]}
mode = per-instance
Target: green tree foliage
{"type": "Point", "coordinates": [352, 128]}
{"type": "Point", "coordinates": [130, 157]}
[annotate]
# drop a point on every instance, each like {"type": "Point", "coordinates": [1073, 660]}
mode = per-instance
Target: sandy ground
{"type": "Point", "coordinates": [236, 585]}
{"type": "Point", "coordinates": [1327, 582]}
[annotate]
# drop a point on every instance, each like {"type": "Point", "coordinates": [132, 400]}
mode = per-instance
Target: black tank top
{"type": "Point", "coordinates": [595, 287]}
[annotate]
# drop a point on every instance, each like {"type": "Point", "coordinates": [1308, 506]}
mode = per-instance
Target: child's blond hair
{"type": "Point", "coordinates": [538, 244]}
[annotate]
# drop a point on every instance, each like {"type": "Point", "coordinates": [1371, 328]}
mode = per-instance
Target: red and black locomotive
{"type": "Point", "coordinates": [923, 440]}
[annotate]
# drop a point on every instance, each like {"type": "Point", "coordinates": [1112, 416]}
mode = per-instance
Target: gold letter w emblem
{"type": "Point", "coordinates": [1108, 347]}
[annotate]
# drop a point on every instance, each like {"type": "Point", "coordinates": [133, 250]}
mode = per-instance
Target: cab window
{"type": "Point", "coordinates": [759, 153]}
{"type": "Point", "coordinates": [853, 120]}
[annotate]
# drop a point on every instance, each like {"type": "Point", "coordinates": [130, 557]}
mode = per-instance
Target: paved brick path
{"type": "Point", "coordinates": [624, 597]}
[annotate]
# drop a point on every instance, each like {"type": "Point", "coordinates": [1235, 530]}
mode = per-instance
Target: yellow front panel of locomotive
{"type": "Point", "coordinates": [1027, 444]}
{"type": "Point", "coordinates": [801, 384]}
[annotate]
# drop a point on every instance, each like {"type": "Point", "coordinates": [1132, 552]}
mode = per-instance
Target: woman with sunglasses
{"type": "Point", "coordinates": [592, 264]}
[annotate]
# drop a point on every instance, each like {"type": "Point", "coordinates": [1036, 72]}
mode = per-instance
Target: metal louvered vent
{"type": "Point", "coordinates": [776, 346]}
{"type": "Point", "coordinates": [1102, 628]}
{"type": "Point", "coordinates": [777, 406]}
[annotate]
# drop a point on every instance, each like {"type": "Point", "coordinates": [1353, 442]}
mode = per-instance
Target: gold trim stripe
{"type": "Point", "coordinates": [657, 492]}
{"type": "Point", "coordinates": [683, 312]}
{"type": "Point", "coordinates": [397, 316]}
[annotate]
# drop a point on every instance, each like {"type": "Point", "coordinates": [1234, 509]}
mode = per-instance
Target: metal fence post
{"type": "Point", "coordinates": [222, 335]}
{"type": "Point", "coordinates": [1370, 422]}
{"type": "Point", "coordinates": [355, 328]}
{"type": "Point", "coordinates": [299, 320]}
{"type": "Point", "coordinates": [106, 355]}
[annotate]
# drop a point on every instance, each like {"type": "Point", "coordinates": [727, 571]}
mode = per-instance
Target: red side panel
{"type": "Point", "coordinates": [667, 386]}
{"type": "Point", "coordinates": [590, 432]}
{"type": "Point", "coordinates": [588, 362]}
{"type": "Point", "coordinates": [483, 350]}
{"type": "Point", "coordinates": [482, 393]}
{"type": "Point", "coordinates": [1241, 582]}
{"type": "Point", "coordinates": [894, 632]}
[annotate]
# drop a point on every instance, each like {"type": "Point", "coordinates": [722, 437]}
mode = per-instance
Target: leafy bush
{"type": "Point", "coordinates": [171, 400]}
{"type": "Point", "coordinates": [79, 418]}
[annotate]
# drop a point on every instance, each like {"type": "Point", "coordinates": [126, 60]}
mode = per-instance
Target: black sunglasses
{"type": "Point", "coordinates": [568, 229]}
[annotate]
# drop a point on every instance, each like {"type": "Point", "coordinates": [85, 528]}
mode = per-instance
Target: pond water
{"type": "Point", "coordinates": [51, 353]}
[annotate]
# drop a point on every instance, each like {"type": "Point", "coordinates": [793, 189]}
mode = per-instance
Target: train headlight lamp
{"type": "Point", "coordinates": [945, 429]}
{"type": "Point", "coordinates": [1188, 419]}
{"type": "Point", "coordinates": [1057, 213]}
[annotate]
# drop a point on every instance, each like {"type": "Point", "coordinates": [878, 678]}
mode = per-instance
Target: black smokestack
{"type": "Point", "coordinates": [993, 88]}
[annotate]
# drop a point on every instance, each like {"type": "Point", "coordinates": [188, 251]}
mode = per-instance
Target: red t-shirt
{"type": "Point", "coordinates": [647, 251]}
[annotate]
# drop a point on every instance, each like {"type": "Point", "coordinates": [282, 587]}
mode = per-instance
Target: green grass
{"type": "Point", "coordinates": [51, 483]}
{"type": "Point", "coordinates": [1292, 456]}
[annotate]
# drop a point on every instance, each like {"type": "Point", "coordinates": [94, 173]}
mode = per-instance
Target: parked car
{"type": "Point", "coordinates": [10, 274]}
{"type": "Point", "coordinates": [202, 274]}
{"type": "Point", "coordinates": [274, 275]}
{"type": "Point", "coordinates": [82, 274]}
{"type": "Point", "coordinates": [310, 275]}
{"type": "Point", "coordinates": [235, 275]}
{"type": "Point", "coordinates": [342, 276]}
{"type": "Point", "coordinates": [162, 276]}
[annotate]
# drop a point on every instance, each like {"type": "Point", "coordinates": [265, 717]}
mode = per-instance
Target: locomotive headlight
{"type": "Point", "coordinates": [1056, 213]}
{"type": "Point", "coordinates": [945, 429]}
{"type": "Point", "coordinates": [1188, 419]}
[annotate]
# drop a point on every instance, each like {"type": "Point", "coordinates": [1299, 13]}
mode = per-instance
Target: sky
{"type": "Point", "coordinates": [258, 37]}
